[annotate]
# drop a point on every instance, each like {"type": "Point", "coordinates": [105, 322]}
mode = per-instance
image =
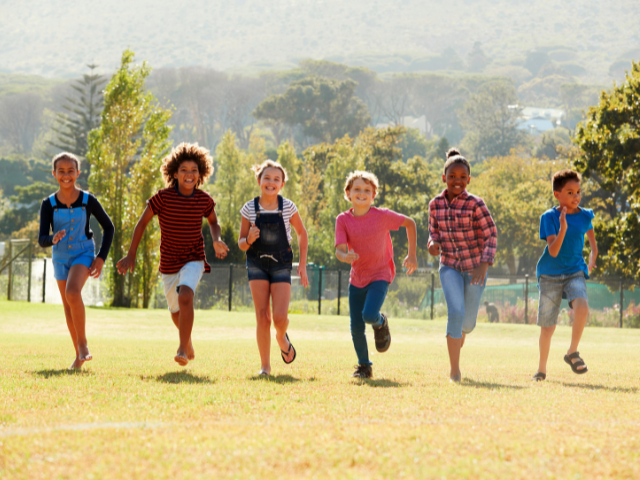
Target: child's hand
{"type": "Point", "coordinates": [254, 234]}
{"type": "Point", "coordinates": [434, 249]}
{"type": "Point", "coordinates": [410, 263]}
{"type": "Point", "coordinates": [126, 264]}
{"type": "Point", "coordinates": [221, 248]}
{"type": "Point", "coordinates": [479, 274]}
{"type": "Point", "coordinates": [563, 219]}
{"type": "Point", "coordinates": [96, 267]}
{"type": "Point", "coordinates": [302, 271]}
{"type": "Point", "coordinates": [592, 262]}
{"type": "Point", "coordinates": [351, 257]}
{"type": "Point", "coordinates": [59, 236]}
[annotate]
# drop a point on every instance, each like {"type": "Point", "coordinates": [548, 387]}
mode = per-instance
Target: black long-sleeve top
{"type": "Point", "coordinates": [45, 239]}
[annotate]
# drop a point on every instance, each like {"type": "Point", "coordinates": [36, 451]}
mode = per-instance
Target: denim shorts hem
{"type": "Point", "coordinates": [553, 288]}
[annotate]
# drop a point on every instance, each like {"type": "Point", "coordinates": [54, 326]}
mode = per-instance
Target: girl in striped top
{"type": "Point", "coordinates": [265, 234]}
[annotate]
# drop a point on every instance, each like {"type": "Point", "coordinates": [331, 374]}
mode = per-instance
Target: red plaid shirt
{"type": "Point", "coordinates": [464, 229]}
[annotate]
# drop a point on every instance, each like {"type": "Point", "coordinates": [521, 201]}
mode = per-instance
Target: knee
{"type": "Point", "coordinates": [185, 298]}
{"type": "Point", "coordinates": [280, 320]}
{"type": "Point", "coordinates": [580, 305]}
{"type": "Point", "coordinates": [263, 318]}
{"type": "Point", "coordinates": [73, 296]}
{"type": "Point", "coordinates": [370, 317]}
{"type": "Point", "coordinates": [546, 332]}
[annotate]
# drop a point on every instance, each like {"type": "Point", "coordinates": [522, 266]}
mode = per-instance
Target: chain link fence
{"type": "Point", "coordinates": [613, 302]}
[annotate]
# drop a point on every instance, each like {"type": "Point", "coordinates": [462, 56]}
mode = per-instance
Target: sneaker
{"type": "Point", "coordinates": [382, 335]}
{"type": "Point", "coordinates": [363, 371]}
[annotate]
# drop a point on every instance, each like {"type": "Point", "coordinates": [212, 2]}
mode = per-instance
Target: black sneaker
{"type": "Point", "coordinates": [382, 335]}
{"type": "Point", "coordinates": [363, 371]}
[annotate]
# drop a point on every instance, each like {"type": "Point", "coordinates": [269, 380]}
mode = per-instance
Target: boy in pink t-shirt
{"type": "Point", "coordinates": [363, 240]}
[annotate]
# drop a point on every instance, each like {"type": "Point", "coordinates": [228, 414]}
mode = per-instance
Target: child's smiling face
{"type": "Point", "coordinates": [187, 175]}
{"type": "Point", "coordinates": [569, 196]}
{"type": "Point", "coordinates": [361, 194]}
{"type": "Point", "coordinates": [457, 178]}
{"type": "Point", "coordinates": [66, 173]}
{"type": "Point", "coordinates": [271, 181]}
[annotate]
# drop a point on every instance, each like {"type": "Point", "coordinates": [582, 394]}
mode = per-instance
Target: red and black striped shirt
{"type": "Point", "coordinates": [180, 217]}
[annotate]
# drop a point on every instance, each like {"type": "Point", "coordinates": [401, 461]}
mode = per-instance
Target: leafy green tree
{"type": "Point", "coordinates": [81, 115]}
{"type": "Point", "coordinates": [288, 158]}
{"type": "Point", "coordinates": [24, 207]}
{"type": "Point", "coordinates": [609, 140]}
{"type": "Point", "coordinates": [124, 153]}
{"type": "Point", "coordinates": [490, 118]}
{"type": "Point", "coordinates": [323, 109]}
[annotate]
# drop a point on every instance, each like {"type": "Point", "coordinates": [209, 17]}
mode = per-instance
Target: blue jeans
{"type": "Point", "coordinates": [364, 307]}
{"type": "Point", "coordinates": [463, 300]}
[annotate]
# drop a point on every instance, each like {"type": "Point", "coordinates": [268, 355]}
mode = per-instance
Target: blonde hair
{"type": "Point", "coordinates": [367, 177]}
{"type": "Point", "coordinates": [259, 169]}
{"type": "Point", "coordinates": [65, 156]}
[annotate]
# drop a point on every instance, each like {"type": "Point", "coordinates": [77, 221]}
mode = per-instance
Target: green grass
{"type": "Point", "coordinates": [133, 413]}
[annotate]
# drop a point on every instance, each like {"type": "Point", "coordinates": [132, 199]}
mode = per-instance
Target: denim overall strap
{"type": "Point", "coordinates": [74, 221]}
{"type": "Point", "coordinates": [52, 200]}
{"type": "Point", "coordinates": [273, 239]}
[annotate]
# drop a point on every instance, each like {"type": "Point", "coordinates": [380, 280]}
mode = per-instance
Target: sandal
{"type": "Point", "coordinates": [578, 363]}
{"type": "Point", "coordinates": [538, 377]}
{"type": "Point", "coordinates": [284, 354]}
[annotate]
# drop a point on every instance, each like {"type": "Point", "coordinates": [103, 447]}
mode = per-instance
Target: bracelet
{"type": "Point", "coordinates": [246, 240]}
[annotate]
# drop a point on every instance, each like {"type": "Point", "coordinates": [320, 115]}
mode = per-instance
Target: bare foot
{"type": "Point", "coordinates": [77, 364]}
{"type": "Point", "coordinates": [455, 377]}
{"type": "Point", "coordinates": [181, 359]}
{"type": "Point", "coordinates": [191, 353]}
{"type": "Point", "coordinates": [83, 353]}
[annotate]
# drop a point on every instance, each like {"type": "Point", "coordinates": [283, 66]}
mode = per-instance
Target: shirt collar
{"type": "Point", "coordinates": [462, 196]}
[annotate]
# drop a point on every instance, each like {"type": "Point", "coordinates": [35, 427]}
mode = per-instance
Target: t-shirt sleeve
{"type": "Point", "coordinates": [341, 231]}
{"type": "Point", "coordinates": [156, 203]}
{"type": "Point", "coordinates": [392, 220]}
{"type": "Point", "coordinates": [292, 209]}
{"type": "Point", "coordinates": [209, 206]}
{"type": "Point", "coordinates": [245, 211]}
{"type": "Point", "coordinates": [547, 226]}
{"type": "Point", "coordinates": [590, 216]}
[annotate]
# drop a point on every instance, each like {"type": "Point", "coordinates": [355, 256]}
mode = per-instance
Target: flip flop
{"type": "Point", "coordinates": [284, 354]}
{"type": "Point", "coordinates": [538, 377]}
{"type": "Point", "coordinates": [181, 359]}
{"type": "Point", "coordinates": [575, 365]}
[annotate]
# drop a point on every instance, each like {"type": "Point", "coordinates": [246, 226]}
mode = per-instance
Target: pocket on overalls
{"type": "Point", "coordinates": [269, 234]}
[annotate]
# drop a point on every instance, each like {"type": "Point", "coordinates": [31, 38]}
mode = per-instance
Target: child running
{"type": "Point", "coordinates": [363, 241]}
{"type": "Point", "coordinates": [66, 213]}
{"type": "Point", "coordinates": [265, 234]}
{"type": "Point", "coordinates": [463, 234]}
{"type": "Point", "coordinates": [561, 270]}
{"type": "Point", "coordinates": [180, 208]}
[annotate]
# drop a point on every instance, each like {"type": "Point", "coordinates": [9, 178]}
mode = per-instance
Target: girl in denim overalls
{"type": "Point", "coordinates": [265, 234]}
{"type": "Point", "coordinates": [67, 213]}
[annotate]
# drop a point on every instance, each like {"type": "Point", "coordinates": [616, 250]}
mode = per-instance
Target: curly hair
{"type": "Point", "coordinates": [186, 152]}
{"type": "Point", "coordinates": [259, 169]}
{"type": "Point", "coordinates": [367, 177]}
{"type": "Point", "coordinates": [561, 178]}
{"type": "Point", "coordinates": [65, 156]}
{"type": "Point", "coordinates": [454, 156]}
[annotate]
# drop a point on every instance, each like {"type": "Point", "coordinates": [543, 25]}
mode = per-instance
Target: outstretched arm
{"type": "Point", "coordinates": [303, 243]}
{"type": "Point", "coordinates": [128, 263]}
{"type": "Point", "coordinates": [411, 262]}
{"type": "Point", "coordinates": [214, 227]}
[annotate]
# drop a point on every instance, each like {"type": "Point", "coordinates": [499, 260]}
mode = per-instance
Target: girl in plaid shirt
{"type": "Point", "coordinates": [463, 234]}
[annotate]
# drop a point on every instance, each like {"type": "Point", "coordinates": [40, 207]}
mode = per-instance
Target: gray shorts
{"type": "Point", "coordinates": [553, 288]}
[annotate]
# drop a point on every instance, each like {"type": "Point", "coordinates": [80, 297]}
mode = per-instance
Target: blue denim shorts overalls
{"type": "Point", "coordinates": [75, 248]}
{"type": "Point", "coordinates": [270, 257]}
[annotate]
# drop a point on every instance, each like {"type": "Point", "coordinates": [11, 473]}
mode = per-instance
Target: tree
{"type": "Point", "coordinates": [82, 114]}
{"type": "Point", "coordinates": [20, 120]}
{"type": "Point", "coordinates": [24, 206]}
{"type": "Point", "coordinates": [491, 118]}
{"type": "Point", "coordinates": [477, 60]}
{"type": "Point", "coordinates": [323, 109]}
{"type": "Point", "coordinates": [124, 153]}
{"type": "Point", "coordinates": [609, 140]}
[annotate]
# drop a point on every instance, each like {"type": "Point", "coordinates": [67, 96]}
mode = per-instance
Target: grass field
{"type": "Point", "coordinates": [133, 413]}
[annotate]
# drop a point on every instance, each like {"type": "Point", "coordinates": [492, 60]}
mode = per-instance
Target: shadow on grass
{"type": "Point", "coordinates": [588, 386]}
{"type": "Point", "coordinates": [470, 382]}
{"type": "Point", "coordinates": [380, 383]}
{"type": "Point", "coordinates": [281, 379]}
{"type": "Point", "coordinates": [179, 377]}
{"type": "Point", "coordinates": [61, 372]}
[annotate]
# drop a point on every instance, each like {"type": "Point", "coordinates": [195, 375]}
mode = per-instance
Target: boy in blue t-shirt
{"type": "Point", "coordinates": [561, 270]}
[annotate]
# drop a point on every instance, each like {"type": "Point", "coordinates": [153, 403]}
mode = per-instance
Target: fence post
{"type": "Point", "coordinates": [433, 286]}
{"type": "Point", "coordinates": [319, 290]}
{"type": "Point", "coordinates": [30, 253]}
{"type": "Point", "coordinates": [621, 299]}
{"type": "Point", "coordinates": [339, 288]}
{"type": "Point", "coordinates": [44, 280]}
{"type": "Point", "coordinates": [230, 285]}
{"type": "Point", "coordinates": [526, 299]}
{"type": "Point", "coordinates": [9, 271]}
